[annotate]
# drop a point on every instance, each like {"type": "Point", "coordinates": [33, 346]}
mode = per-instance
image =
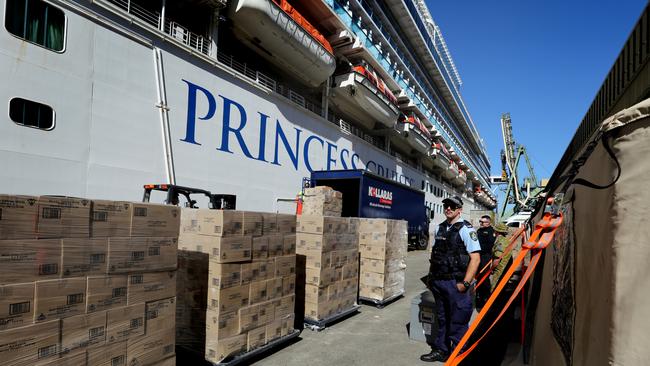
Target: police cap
{"type": "Point", "coordinates": [454, 201]}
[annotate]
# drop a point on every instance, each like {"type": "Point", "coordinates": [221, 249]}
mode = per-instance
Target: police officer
{"type": "Point", "coordinates": [454, 261]}
{"type": "Point", "coordinates": [486, 237]}
{"type": "Point", "coordinates": [499, 261]}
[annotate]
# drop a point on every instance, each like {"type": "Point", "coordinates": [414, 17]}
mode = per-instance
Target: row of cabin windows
{"type": "Point", "coordinates": [43, 24]}
{"type": "Point", "coordinates": [438, 192]}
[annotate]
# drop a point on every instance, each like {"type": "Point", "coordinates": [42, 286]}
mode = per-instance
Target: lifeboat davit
{"type": "Point", "coordinates": [361, 94]}
{"type": "Point", "coordinates": [439, 155]}
{"type": "Point", "coordinates": [415, 132]}
{"type": "Point", "coordinates": [285, 38]}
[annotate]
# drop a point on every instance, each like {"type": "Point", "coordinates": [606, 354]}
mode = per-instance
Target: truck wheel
{"type": "Point", "coordinates": [423, 243]}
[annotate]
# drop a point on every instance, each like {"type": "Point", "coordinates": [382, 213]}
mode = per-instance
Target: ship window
{"type": "Point", "coordinates": [37, 22]}
{"type": "Point", "coordinates": [31, 114]}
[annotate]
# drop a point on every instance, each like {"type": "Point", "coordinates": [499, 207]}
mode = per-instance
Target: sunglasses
{"type": "Point", "coordinates": [453, 207]}
{"type": "Point", "coordinates": [484, 222]}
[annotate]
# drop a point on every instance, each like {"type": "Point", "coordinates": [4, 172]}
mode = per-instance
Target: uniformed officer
{"type": "Point", "coordinates": [486, 237]}
{"type": "Point", "coordinates": [454, 261]}
{"type": "Point", "coordinates": [499, 264]}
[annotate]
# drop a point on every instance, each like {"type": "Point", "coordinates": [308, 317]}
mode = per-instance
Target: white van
{"type": "Point", "coordinates": [518, 219]}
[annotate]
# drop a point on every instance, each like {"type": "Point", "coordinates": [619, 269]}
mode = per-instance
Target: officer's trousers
{"type": "Point", "coordinates": [453, 310]}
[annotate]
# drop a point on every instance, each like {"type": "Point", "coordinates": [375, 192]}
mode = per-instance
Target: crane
{"type": "Point", "coordinates": [522, 197]}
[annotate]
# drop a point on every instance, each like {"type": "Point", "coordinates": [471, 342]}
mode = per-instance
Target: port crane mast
{"type": "Point", "coordinates": [524, 196]}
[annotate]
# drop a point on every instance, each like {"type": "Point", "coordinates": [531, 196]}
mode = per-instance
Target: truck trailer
{"type": "Point", "coordinates": [371, 196]}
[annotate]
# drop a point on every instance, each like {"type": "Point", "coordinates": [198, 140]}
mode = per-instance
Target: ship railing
{"type": "Point", "coordinates": [153, 18]}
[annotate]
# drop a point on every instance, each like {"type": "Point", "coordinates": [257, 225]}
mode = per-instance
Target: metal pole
{"type": "Point", "coordinates": [162, 16]}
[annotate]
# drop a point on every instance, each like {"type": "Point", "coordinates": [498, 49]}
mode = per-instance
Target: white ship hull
{"type": "Point", "coordinates": [132, 109]}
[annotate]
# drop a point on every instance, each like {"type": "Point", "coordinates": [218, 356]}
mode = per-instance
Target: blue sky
{"type": "Point", "coordinates": [541, 61]}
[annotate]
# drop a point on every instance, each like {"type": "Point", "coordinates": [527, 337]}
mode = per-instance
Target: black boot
{"type": "Point", "coordinates": [434, 356]}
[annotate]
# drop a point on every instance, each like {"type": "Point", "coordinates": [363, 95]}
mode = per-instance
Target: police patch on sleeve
{"type": "Point", "coordinates": [472, 234]}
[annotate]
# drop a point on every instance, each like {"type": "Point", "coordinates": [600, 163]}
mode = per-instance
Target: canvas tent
{"type": "Point", "coordinates": [594, 297]}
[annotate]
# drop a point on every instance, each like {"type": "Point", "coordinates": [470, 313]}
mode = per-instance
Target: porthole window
{"type": "Point", "coordinates": [31, 114]}
{"type": "Point", "coordinates": [37, 22]}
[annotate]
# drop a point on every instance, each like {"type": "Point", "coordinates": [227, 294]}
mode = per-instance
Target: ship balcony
{"type": "Point", "coordinates": [415, 133]}
{"type": "Point", "coordinates": [359, 94]}
{"type": "Point", "coordinates": [454, 155]}
{"type": "Point", "coordinates": [440, 160]}
{"type": "Point", "coordinates": [285, 38]}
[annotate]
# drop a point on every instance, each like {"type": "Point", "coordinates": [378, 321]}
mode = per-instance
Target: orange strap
{"type": "Point", "coordinates": [539, 240]}
{"type": "Point", "coordinates": [511, 245]}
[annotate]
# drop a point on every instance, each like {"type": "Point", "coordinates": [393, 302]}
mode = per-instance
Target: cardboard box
{"type": "Point", "coordinates": [260, 247]}
{"type": "Point", "coordinates": [125, 323]}
{"type": "Point", "coordinates": [379, 293]}
{"type": "Point", "coordinates": [286, 306]}
{"type": "Point", "coordinates": [382, 279]}
{"type": "Point", "coordinates": [267, 268]}
{"type": "Point", "coordinates": [258, 292]}
{"type": "Point", "coordinates": [273, 330]}
{"type": "Point", "coordinates": [113, 354]}
{"type": "Point", "coordinates": [286, 223]}
{"type": "Point", "coordinates": [63, 217]}
{"type": "Point", "coordinates": [276, 244]}
{"type": "Point", "coordinates": [350, 286]}
{"type": "Point", "coordinates": [189, 221]}
{"type": "Point", "coordinates": [249, 318]}
{"type": "Point", "coordinates": [78, 359]}
{"type": "Point", "coordinates": [252, 223]}
{"type": "Point", "coordinates": [382, 266]}
{"type": "Point", "coordinates": [160, 315]}
{"type": "Point", "coordinates": [59, 298]}
{"type": "Point", "coordinates": [151, 286]}
{"type": "Point", "coordinates": [106, 292]}
{"type": "Point", "coordinates": [220, 222]}
{"type": "Point", "coordinates": [83, 331]}
{"type": "Point", "coordinates": [274, 288]}
{"type": "Point", "coordinates": [171, 361]}
{"type": "Point", "coordinates": [350, 270]}
{"type": "Point", "coordinates": [151, 348]}
{"type": "Point", "coordinates": [266, 312]}
{"type": "Point", "coordinates": [84, 256]}
{"type": "Point", "coordinates": [220, 325]}
{"type": "Point", "coordinates": [18, 217]}
{"type": "Point", "coordinates": [30, 345]}
{"type": "Point", "coordinates": [217, 350]}
{"type": "Point", "coordinates": [256, 338]}
{"type": "Point", "coordinates": [321, 277]}
{"type": "Point", "coordinates": [287, 324]}
{"type": "Point", "coordinates": [317, 259]}
{"type": "Point", "coordinates": [153, 220]}
{"type": "Point", "coordinates": [224, 275]}
{"type": "Point", "coordinates": [322, 224]}
{"type": "Point", "coordinates": [29, 260]}
{"type": "Point", "coordinates": [289, 285]}
{"type": "Point", "coordinates": [315, 294]}
{"type": "Point", "coordinates": [319, 311]}
{"type": "Point", "coordinates": [231, 249]}
{"type": "Point", "coordinates": [320, 242]}
{"type": "Point", "coordinates": [16, 305]}
{"type": "Point", "coordinates": [289, 247]}
{"type": "Point", "coordinates": [270, 222]}
{"type": "Point", "coordinates": [285, 265]}
{"type": "Point", "coordinates": [228, 299]}
{"type": "Point", "coordinates": [249, 271]}
{"type": "Point", "coordinates": [110, 218]}
{"type": "Point", "coordinates": [334, 291]}
{"type": "Point", "coordinates": [142, 254]}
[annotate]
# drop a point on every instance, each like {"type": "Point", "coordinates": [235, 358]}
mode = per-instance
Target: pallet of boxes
{"type": "Point", "coordinates": [86, 282]}
{"type": "Point", "coordinates": [328, 266]}
{"type": "Point", "coordinates": [236, 283]}
{"type": "Point", "coordinates": [383, 246]}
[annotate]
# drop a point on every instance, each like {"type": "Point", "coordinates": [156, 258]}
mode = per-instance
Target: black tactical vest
{"type": "Point", "coordinates": [449, 258]}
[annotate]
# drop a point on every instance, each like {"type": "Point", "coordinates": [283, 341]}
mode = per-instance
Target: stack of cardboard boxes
{"type": "Point", "coordinates": [383, 247]}
{"type": "Point", "coordinates": [236, 281]}
{"type": "Point", "coordinates": [86, 282]}
{"type": "Point", "coordinates": [328, 265]}
{"type": "Point", "coordinates": [322, 201]}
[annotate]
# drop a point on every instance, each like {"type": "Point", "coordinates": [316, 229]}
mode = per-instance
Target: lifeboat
{"type": "Point", "coordinates": [364, 96]}
{"type": "Point", "coordinates": [285, 38]}
{"type": "Point", "coordinates": [460, 179]}
{"type": "Point", "coordinates": [416, 134]}
{"type": "Point", "coordinates": [439, 155]}
{"type": "Point", "coordinates": [451, 172]}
